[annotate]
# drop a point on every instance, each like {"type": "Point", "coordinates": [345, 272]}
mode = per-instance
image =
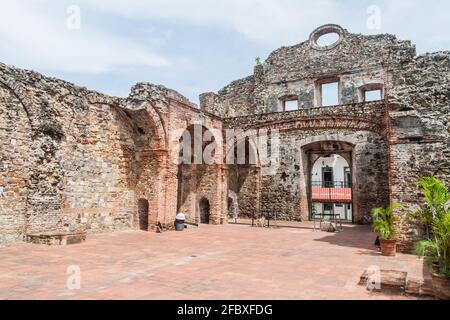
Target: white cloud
{"type": "Point", "coordinates": [259, 20]}
{"type": "Point", "coordinates": [424, 22]}
{"type": "Point", "coordinates": [35, 35]}
{"type": "Point", "coordinates": [272, 22]}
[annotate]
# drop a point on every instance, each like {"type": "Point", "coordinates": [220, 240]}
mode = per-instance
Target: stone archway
{"type": "Point", "coordinates": [145, 151]}
{"type": "Point", "coordinates": [331, 184]}
{"type": "Point", "coordinates": [199, 172]}
{"type": "Point", "coordinates": [312, 150]}
{"type": "Point", "coordinates": [244, 178]}
{"type": "Point", "coordinates": [366, 152]}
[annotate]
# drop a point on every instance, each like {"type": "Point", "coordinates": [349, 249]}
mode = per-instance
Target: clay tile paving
{"type": "Point", "coordinates": [264, 190]}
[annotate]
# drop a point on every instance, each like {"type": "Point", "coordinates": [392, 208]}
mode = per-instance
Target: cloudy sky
{"type": "Point", "coordinates": [192, 46]}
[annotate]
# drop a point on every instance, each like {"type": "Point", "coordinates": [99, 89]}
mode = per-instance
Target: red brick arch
{"type": "Point", "coordinates": [19, 92]}
{"type": "Point", "coordinates": [161, 133]}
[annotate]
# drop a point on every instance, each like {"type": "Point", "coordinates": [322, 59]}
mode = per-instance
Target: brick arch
{"type": "Point", "coordinates": [177, 134]}
{"type": "Point", "coordinates": [159, 124]}
{"type": "Point", "coordinates": [326, 122]}
{"type": "Point", "coordinates": [328, 137]}
{"type": "Point", "coordinates": [32, 110]}
{"type": "Point", "coordinates": [157, 120]}
{"type": "Point", "coordinates": [40, 131]}
{"type": "Point", "coordinates": [369, 164]}
{"type": "Point", "coordinates": [241, 138]}
{"type": "Point", "coordinates": [308, 161]}
{"type": "Point", "coordinates": [19, 92]}
{"type": "Point", "coordinates": [16, 144]}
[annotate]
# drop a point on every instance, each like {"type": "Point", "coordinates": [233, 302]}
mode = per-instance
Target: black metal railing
{"type": "Point", "coordinates": [331, 184]}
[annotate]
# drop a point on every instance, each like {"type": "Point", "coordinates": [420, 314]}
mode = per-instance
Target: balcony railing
{"type": "Point", "coordinates": [331, 184]}
{"type": "Point", "coordinates": [332, 191]}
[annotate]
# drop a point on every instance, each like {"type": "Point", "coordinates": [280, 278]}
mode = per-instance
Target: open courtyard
{"type": "Point", "coordinates": [209, 262]}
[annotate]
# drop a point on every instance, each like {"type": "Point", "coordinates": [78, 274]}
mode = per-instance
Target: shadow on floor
{"type": "Point", "coordinates": [355, 237]}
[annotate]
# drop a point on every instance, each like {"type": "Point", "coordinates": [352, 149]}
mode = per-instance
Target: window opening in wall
{"type": "Point", "coordinates": [289, 103]}
{"type": "Point", "coordinates": [347, 177]}
{"type": "Point", "coordinates": [327, 39]}
{"type": "Point", "coordinates": [373, 95]}
{"type": "Point", "coordinates": [328, 208]}
{"type": "Point", "coordinates": [329, 94]}
{"type": "Point", "coordinates": [327, 177]}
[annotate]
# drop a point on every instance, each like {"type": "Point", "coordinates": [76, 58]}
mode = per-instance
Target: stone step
{"type": "Point", "coordinates": [56, 238]}
{"type": "Point", "coordinates": [419, 287]}
{"type": "Point", "coordinates": [396, 282]}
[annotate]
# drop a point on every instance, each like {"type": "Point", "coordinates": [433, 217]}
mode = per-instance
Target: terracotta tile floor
{"type": "Point", "coordinates": [211, 262]}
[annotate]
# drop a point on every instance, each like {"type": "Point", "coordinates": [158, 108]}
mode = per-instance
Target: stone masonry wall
{"type": "Point", "coordinates": [419, 111]}
{"type": "Point", "coordinates": [407, 138]}
{"type": "Point", "coordinates": [15, 135]}
{"type": "Point", "coordinates": [285, 193]}
{"type": "Point", "coordinates": [356, 61]}
{"type": "Point", "coordinates": [74, 159]}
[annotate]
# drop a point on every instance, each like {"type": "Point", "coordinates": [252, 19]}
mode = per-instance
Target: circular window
{"type": "Point", "coordinates": [326, 37]}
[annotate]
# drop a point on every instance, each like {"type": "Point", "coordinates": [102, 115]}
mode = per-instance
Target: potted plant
{"type": "Point", "coordinates": [435, 217]}
{"type": "Point", "coordinates": [383, 222]}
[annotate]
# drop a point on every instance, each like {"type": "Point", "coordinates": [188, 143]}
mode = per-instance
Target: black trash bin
{"type": "Point", "coordinates": [179, 222]}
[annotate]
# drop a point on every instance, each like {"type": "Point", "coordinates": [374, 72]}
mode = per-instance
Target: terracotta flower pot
{"type": "Point", "coordinates": [441, 286]}
{"type": "Point", "coordinates": [435, 267]}
{"type": "Point", "coordinates": [388, 247]}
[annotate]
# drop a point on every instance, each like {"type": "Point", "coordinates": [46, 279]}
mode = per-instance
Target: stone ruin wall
{"type": "Point", "coordinates": [76, 159]}
{"type": "Point", "coordinates": [419, 111]}
{"type": "Point", "coordinates": [199, 182]}
{"type": "Point", "coordinates": [73, 159]}
{"type": "Point", "coordinates": [414, 136]}
{"type": "Point", "coordinates": [357, 61]}
{"type": "Point", "coordinates": [254, 102]}
{"type": "Point", "coordinates": [285, 192]}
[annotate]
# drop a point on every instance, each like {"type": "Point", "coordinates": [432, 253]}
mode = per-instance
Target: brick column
{"type": "Point", "coordinates": [224, 193]}
{"type": "Point", "coordinates": [169, 196]}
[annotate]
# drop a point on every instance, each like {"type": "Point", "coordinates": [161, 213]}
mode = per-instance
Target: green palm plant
{"type": "Point", "coordinates": [384, 221]}
{"type": "Point", "coordinates": [435, 216]}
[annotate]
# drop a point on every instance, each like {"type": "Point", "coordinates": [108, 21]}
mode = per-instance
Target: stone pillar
{"type": "Point", "coordinates": [170, 186]}
{"type": "Point", "coordinates": [219, 209]}
{"type": "Point", "coordinates": [224, 193]}
{"type": "Point", "coordinates": [156, 198]}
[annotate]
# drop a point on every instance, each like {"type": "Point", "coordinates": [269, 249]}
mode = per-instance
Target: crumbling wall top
{"type": "Point", "coordinates": [350, 53]}
{"type": "Point", "coordinates": [148, 91]}
{"type": "Point", "coordinates": [352, 60]}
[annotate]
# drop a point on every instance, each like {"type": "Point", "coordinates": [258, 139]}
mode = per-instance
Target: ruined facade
{"type": "Point", "coordinates": [73, 159]}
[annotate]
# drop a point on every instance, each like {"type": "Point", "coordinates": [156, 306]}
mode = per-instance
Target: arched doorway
{"type": "Point", "coordinates": [244, 178]}
{"type": "Point", "coordinates": [331, 187]}
{"type": "Point", "coordinates": [197, 151]}
{"type": "Point", "coordinates": [144, 150]}
{"type": "Point", "coordinates": [204, 211]}
{"type": "Point", "coordinates": [143, 214]}
{"type": "Point", "coordinates": [329, 178]}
